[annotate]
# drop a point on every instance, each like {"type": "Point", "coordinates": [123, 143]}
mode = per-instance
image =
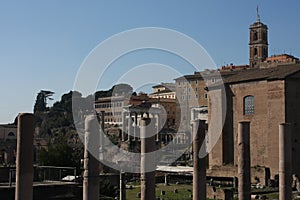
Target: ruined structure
{"type": "Point", "coordinates": [264, 92]}
{"type": "Point", "coordinates": [24, 162]}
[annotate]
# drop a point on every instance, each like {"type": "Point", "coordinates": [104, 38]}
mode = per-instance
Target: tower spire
{"type": "Point", "coordinates": [257, 13]}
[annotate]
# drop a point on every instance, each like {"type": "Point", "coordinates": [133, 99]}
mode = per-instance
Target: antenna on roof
{"type": "Point", "coordinates": [257, 13]}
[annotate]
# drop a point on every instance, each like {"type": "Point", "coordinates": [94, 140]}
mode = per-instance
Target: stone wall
{"type": "Point", "coordinates": [293, 117]}
{"type": "Point", "coordinates": [269, 112]}
{"type": "Point", "coordinates": [219, 193]}
{"type": "Point", "coordinates": [270, 99]}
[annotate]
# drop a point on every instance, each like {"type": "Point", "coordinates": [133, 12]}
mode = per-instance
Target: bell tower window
{"type": "Point", "coordinates": [255, 37]}
{"type": "Point", "coordinates": [255, 51]}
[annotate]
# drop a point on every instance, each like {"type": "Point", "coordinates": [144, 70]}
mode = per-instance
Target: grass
{"type": "Point", "coordinates": [184, 192]}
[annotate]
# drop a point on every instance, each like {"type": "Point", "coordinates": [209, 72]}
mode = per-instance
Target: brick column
{"type": "Point", "coordinates": [199, 174]}
{"type": "Point", "coordinates": [244, 188]}
{"type": "Point", "coordinates": [147, 145]}
{"type": "Point", "coordinates": [285, 162]}
{"type": "Point", "coordinates": [24, 166]}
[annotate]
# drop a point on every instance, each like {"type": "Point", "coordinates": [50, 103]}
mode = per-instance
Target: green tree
{"type": "Point", "coordinates": [41, 101]}
{"type": "Point", "coordinates": [62, 154]}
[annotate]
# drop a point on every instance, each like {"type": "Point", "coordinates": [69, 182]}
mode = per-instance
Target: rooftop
{"type": "Point", "coordinates": [274, 73]}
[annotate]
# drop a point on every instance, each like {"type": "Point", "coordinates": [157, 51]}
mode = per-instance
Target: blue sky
{"type": "Point", "coordinates": [43, 43]}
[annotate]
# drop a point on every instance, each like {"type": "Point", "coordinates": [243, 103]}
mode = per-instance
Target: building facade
{"type": "Point", "coordinates": [191, 93]}
{"type": "Point", "coordinates": [266, 98]}
{"type": "Point", "coordinates": [265, 94]}
{"type": "Point", "coordinates": [8, 143]}
{"type": "Point", "coordinates": [113, 106]}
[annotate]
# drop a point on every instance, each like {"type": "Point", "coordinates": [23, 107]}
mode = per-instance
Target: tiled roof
{"type": "Point", "coordinates": [8, 126]}
{"type": "Point", "coordinates": [162, 92]}
{"type": "Point", "coordinates": [207, 74]}
{"type": "Point", "coordinates": [274, 73]}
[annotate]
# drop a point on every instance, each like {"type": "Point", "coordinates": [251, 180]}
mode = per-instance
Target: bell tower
{"type": "Point", "coordinates": [258, 44]}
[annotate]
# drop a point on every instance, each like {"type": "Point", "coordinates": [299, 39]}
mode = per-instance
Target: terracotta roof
{"type": "Point", "coordinates": [274, 73]}
{"type": "Point", "coordinates": [207, 74]}
{"type": "Point", "coordinates": [162, 91]}
{"type": "Point", "coordinates": [168, 85]}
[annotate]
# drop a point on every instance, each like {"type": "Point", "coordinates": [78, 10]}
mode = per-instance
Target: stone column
{"type": "Point", "coordinates": [199, 175]}
{"type": "Point", "coordinates": [122, 186]}
{"type": "Point", "coordinates": [24, 166]}
{"type": "Point", "coordinates": [102, 122]}
{"type": "Point", "coordinates": [129, 127]}
{"type": "Point", "coordinates": [123, 125]}
{"type": "Point", "coordinates": [158, 127]}
{"type": "Point", "coordinates": [244, 188]}
{"type": "Point", "coordinates": [135, 126]}
{"type": "Point", "coordinates": [101, 141]}
{"type": "Point", "coordinates": [166, 180]}
{"type": "Point", "coordinates": [285, 162]}
{"type": "Point", "coordinates": [193, 114]}
{"type": "Point", "coordinates": [91, 164]}
{"type": "Point", "coordinates": [147, 161]}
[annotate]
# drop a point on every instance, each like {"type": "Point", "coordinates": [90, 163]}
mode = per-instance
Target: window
{"type": "Point", "coordinates": [248, 105]}
{"type": "Point", "coordinates": [213, 80]}
{"type": "Point", "coordinates": [11, 134]}
{"type": "Point", "coordinates": [205, 96]}
{"type": "Point", "coordinates": [196, 81]}
{"type": "Point", "coordinates": [255, 36]}
{"type": "Point", "coordinates": [255, 51]}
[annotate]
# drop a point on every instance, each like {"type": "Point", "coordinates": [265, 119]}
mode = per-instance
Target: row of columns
{"type": "Point", "coordinates": [244, 164]}
{"type": "Point", "coordinates": [132, 125]}
{"type": "Point", "coordinates": [285, 161]}
{"type": "Point", "coordinates": [24, 167]}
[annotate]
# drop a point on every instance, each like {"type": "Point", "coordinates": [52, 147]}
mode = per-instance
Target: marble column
{"type": "Point", "coordinates": [199, 174]}
{"type": "Point", "coordinates": [285, 162]}
{"type": "Point", "coordinates": [91, 164]}
{"type": "Point", "coordinates": [123, 125]}
{"type": "Point", "coordinates": [244, 185]}
{"type": "Point", "coordinates": [129, 133]}
{"type": "Point", "coordinates": [24, 160]}
{"type": "Point", "coordinates": [158, 127]}
{"type": "Point", "coordinates": [122, 186]}
{"type": "Point", "coordinates": [147, 161]}
{"type": "Point", "coordinates": [135, 126]}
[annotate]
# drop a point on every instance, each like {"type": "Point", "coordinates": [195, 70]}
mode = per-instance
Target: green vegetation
{"type": "Point", "coordinates": [41, 100]}
{"type": "Point", "coordinates": [55, 125]}
{"type": "Point", "coordinates": [184, 192]}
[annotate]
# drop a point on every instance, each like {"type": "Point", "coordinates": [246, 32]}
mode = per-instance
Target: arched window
{"type": "Point", "coordinates": [255, 36]}
{"type": "Point", "coordinates": [249, 105]}
{"type": "Point", "coordinates": [11, 134]}
{"type": "Point", "coordinates": [255, 51]}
